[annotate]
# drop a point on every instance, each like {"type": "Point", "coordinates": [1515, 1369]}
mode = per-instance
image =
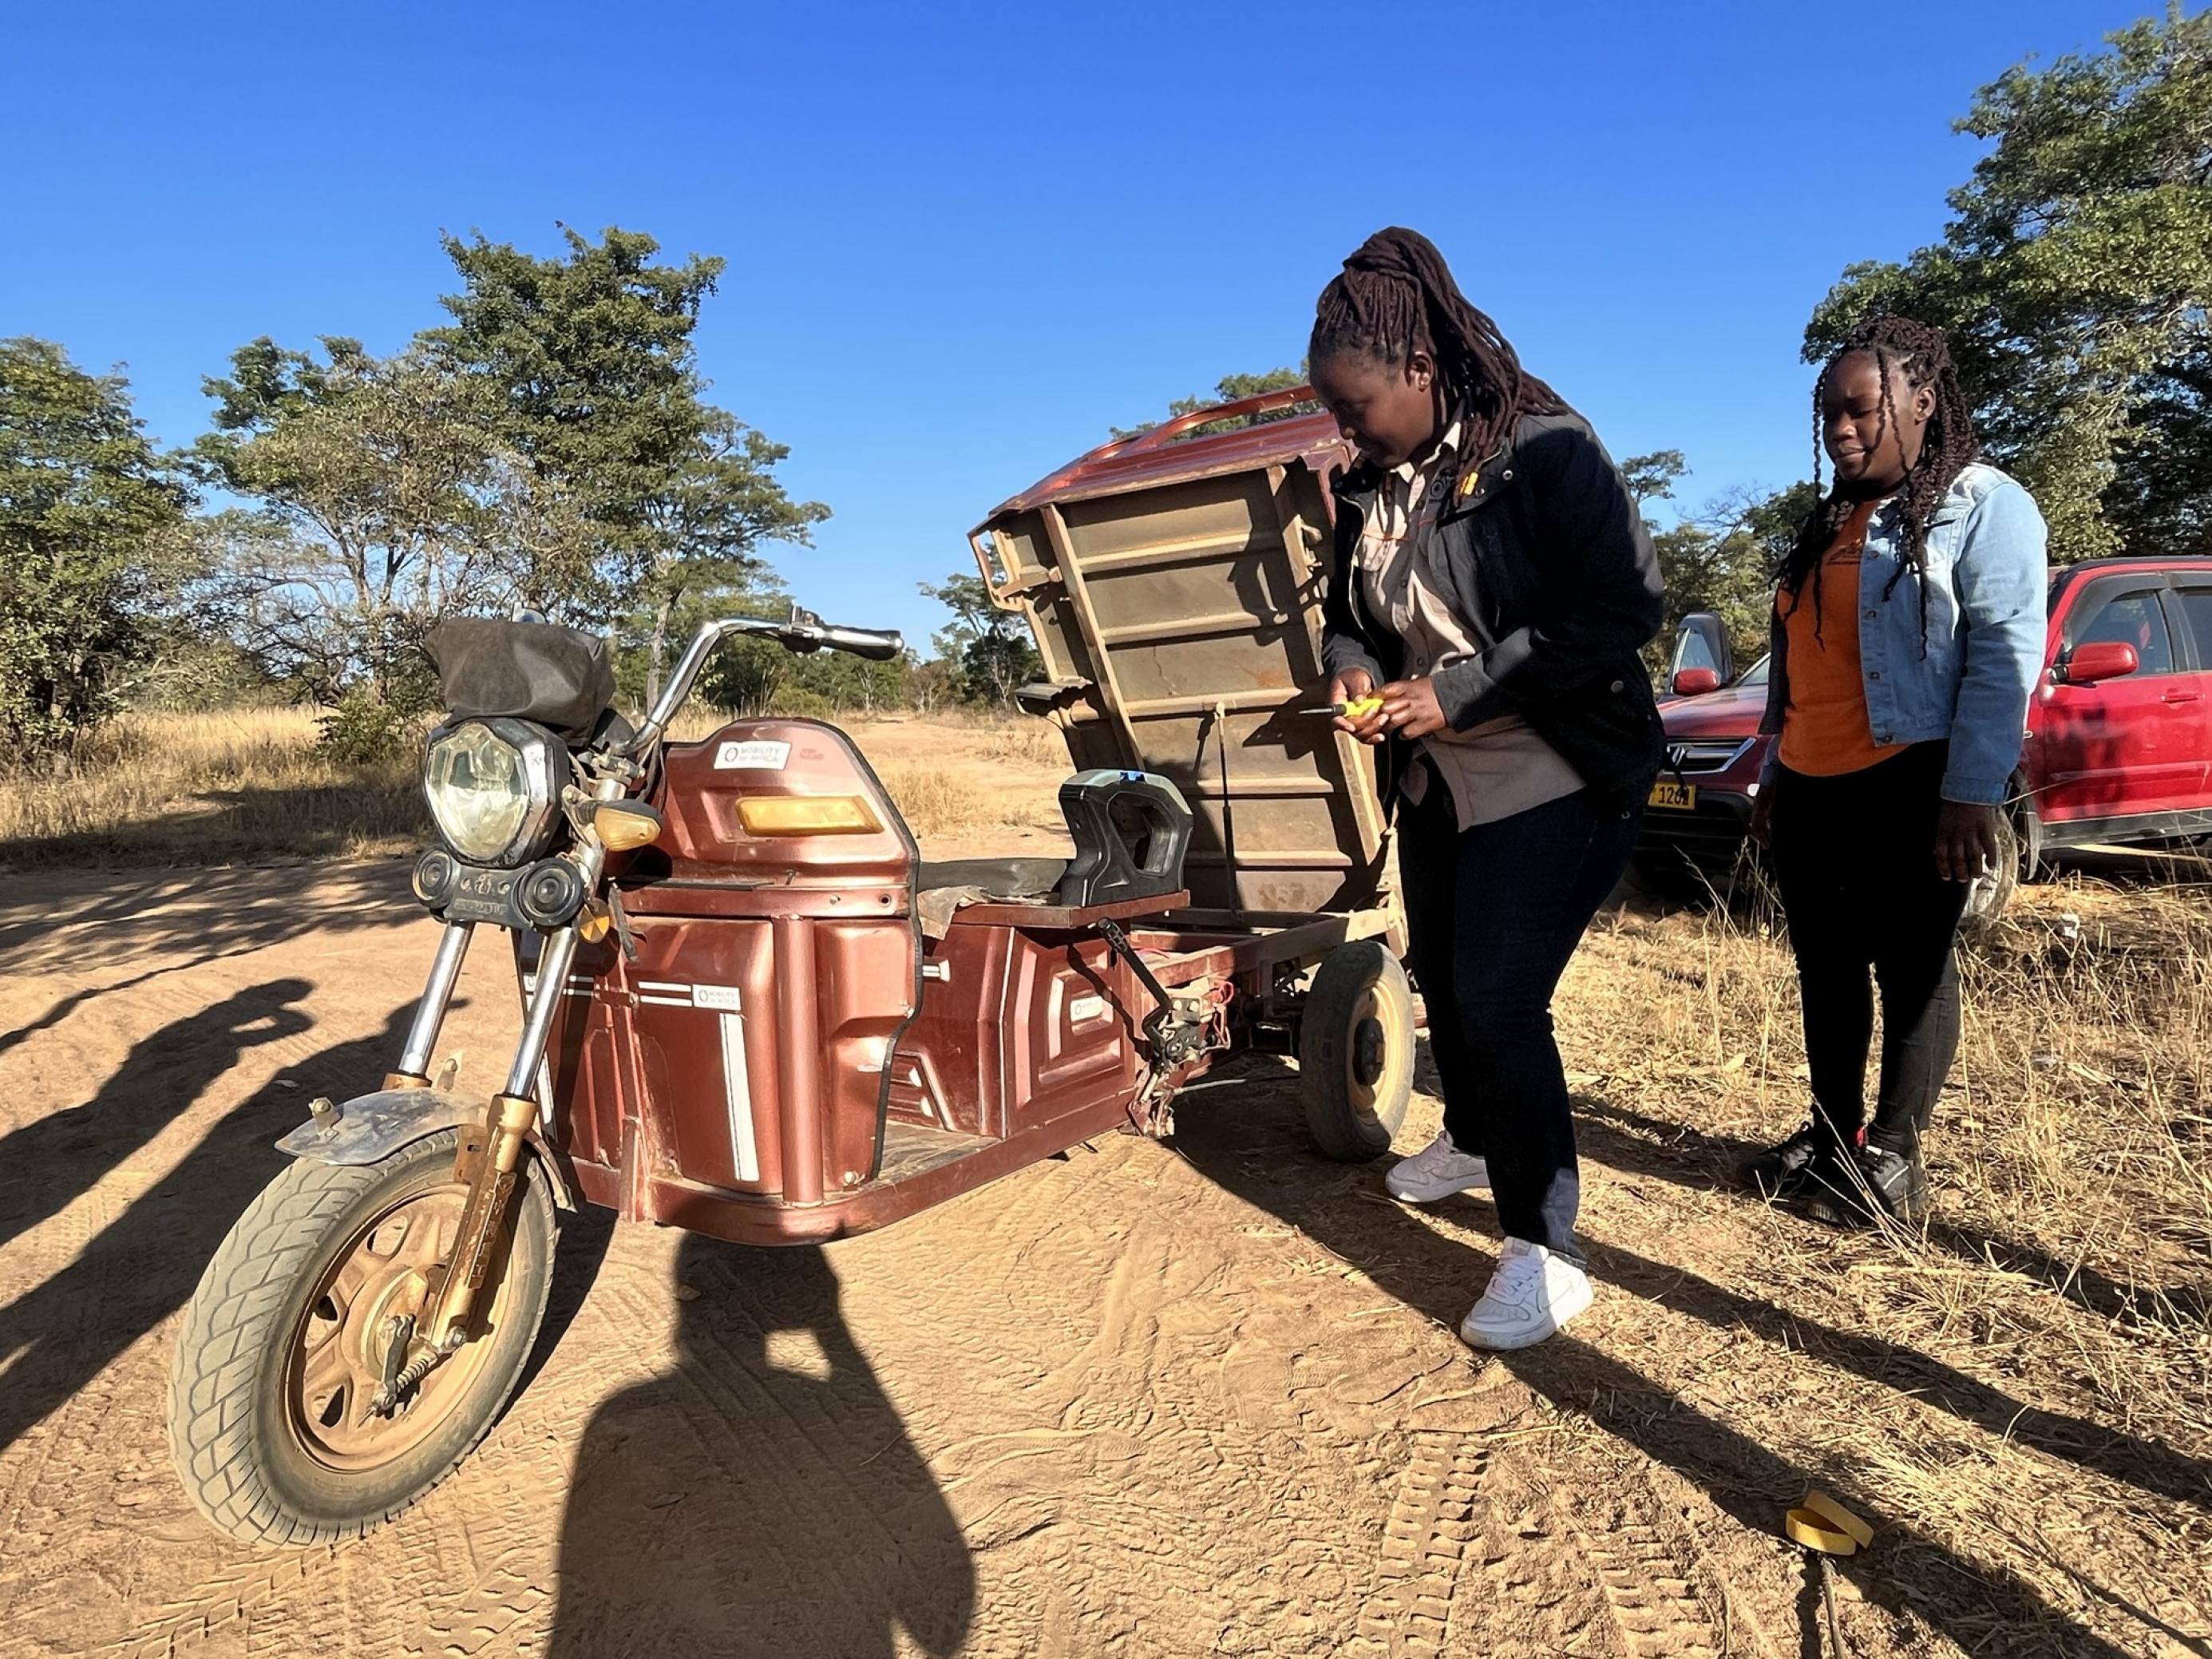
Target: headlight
{"type": "Point", "coordinates": [495, 788]}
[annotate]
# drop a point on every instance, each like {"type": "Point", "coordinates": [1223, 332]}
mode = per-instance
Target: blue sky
{"type": "Point", "coordinates": [964, 241]}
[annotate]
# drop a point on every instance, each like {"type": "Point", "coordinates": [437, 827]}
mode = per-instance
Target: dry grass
{"type": "Point", "coordinates": [938, 804]}
{"type": "Point", "coordinates": [2025, 1385]}
{"type": "Point", "coordinates": [1031, 743]}
{"type": "Point", "coordinates": [242, 785]}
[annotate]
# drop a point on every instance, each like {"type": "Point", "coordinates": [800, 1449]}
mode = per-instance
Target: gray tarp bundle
{"type": "Point", "coordinates": [557, 677]}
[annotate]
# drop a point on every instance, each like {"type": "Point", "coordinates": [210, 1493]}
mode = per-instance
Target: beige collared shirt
{"type": "Point", "coordinates": [1494, 769]}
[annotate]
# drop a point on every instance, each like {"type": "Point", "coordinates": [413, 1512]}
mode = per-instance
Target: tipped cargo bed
{"type": "Point", "coordinates": [1174, 583]}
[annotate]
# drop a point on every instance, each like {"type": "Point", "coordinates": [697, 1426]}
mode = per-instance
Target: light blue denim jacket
{"type": "Point", "coordinates": [1987, 585]}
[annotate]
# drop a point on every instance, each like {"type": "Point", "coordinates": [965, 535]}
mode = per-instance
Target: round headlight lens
{"type": "Point", "coordinates": [480, 791]}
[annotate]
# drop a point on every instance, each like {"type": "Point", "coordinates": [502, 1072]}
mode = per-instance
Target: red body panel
{"type": "Point", "coordinates": [765, 1070]}
{"type": "Point", "coordinates": [1025, 1029]}
{"type": "Point", "coordinates": [742, 1053]}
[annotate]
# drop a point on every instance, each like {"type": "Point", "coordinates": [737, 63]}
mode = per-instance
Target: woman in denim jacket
{"type": "Point", "coordinates": [1908, 635]}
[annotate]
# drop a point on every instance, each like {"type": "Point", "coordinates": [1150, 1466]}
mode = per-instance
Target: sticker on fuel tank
{"type": "Point", "coordinates": [723, 998]}
{"type": "Point", "coordinates": [758, 755]}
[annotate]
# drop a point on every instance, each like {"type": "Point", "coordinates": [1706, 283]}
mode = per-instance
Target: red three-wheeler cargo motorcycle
{"type": "Point", "coordinates": [754, 1010]}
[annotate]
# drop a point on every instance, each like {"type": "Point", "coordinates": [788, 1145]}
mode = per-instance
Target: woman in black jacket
{"type": "Point", "coordinates": [1492, 585]}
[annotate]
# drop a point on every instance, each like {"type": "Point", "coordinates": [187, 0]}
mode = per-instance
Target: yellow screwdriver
{"type": "Point", "coordinates": [1358, 709]}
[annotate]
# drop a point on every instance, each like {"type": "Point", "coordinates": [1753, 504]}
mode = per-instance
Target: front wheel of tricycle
{"type": "Point", "coordinates": [1356, 1051]}
{"type": "Point", "coordinates": [283, 1345]}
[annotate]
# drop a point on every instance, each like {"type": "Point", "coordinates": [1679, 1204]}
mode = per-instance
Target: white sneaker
{"type": "Point", "coordinates": [1437, 1170]}
{"type": "Point", "coordinates": [1531, 1295]}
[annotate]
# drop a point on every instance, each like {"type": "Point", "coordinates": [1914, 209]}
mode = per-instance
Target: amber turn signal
{"type": "Point", "coordinates": [806, 815]}
{"type": "Point", "coordinates": [622, 825]}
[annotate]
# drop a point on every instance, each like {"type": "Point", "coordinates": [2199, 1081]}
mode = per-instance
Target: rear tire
{"type": "Point", "coordinates": [1988, 896]}
{"type": "Point", "coordinates": [1356, 1051]}
{"type": "Point", "coordinates": [261, 1454]}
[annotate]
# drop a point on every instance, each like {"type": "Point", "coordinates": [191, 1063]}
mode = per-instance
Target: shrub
{"type": "Point", "coordinates": [363, 729]}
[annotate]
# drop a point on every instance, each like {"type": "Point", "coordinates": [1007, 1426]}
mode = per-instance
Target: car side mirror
{"type": "Point", "coordinates": [1696, 682]}
{"type": "Point", "coordinates": [2099, 659]}
{"type": "Point", "coordinates": [1701, 640]}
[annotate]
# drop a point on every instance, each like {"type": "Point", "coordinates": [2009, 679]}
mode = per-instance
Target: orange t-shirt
{"type": "Point", "coordinates": [1825, 730]}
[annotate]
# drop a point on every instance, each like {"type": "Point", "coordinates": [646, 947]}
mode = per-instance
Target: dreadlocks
{"type": "Point", "coordinates": [1947, 445]}
{"type": "Point", "coordinates": [1395, 297]}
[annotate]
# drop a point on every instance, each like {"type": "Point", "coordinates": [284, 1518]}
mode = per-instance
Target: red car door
{"type": "Point", "coordinates": [2190, 601]}
{"type": "Point", "coordinates": [2130, 746]}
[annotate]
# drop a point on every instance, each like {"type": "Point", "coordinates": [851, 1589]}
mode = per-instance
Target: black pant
{"type": "Point", "coordinates": [1855, 857]}
{"type": "Point", "coordinates": [1494, 912]}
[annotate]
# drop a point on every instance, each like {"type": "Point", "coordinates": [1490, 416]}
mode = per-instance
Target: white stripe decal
{"type": "Point", "coordinates": [737, 1091]}
{"type": "Point", "coordinates": [670, 987]}
{"type": "Point", "coordinates": [668, 1002]}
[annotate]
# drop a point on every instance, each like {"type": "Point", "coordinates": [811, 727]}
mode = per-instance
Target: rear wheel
{"type": "Point", "coordinates": [283, 1346]}
{"type": "Point", "coordinates": [1988, 896]}
{"type": "Point", "coordinates": [1356, 1051]}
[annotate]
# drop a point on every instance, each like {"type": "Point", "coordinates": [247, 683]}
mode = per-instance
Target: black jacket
{"type": "Point", "coordinates": [1551, 566]}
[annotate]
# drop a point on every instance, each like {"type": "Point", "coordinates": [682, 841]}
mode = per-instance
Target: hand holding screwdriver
{"type": "Point", "coordinates": [1357, 708]}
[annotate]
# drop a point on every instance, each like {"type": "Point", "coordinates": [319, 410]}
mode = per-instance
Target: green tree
{"type": "Point", "coordinates": [991, 647]}
{"type": "Point", "coordinates": [93, 544]}
{"type": "Point", "coordinates": [744, 675]}
{"type": "Point", "coordinates": [387, 499]}
{"type": "Point", "coordinates": [595, 379]}
{"type": "Point", "coordinates": [2075, 280]}
{"type": "Point", "coordinates": [1652, 477]}
{"type": "Point", "coordinates": [1721, 558]}
{"type": "Point", "coordinates": [1232, 388]}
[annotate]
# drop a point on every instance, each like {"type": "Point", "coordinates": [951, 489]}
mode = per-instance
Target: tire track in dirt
{"type": "Point", "coordinates": [1660, 1593]}
{"type": "Point", "coordinates": [1406, 1614]}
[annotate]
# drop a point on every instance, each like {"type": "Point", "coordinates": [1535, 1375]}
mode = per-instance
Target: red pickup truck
{"type": "Point", "coordinates": [2119, 744]}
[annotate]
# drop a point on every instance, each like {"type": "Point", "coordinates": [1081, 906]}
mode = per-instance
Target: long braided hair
{"type": "Point", "coordinates": [1396, 296]}
{"type": "Point", "coordinates": [1947, 445]}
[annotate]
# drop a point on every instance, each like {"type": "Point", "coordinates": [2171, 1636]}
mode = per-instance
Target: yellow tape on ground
{"type": "Point", "coordinates": [1806, 1528]}
{"type": "Point", "coordinates": [1826, 1510]}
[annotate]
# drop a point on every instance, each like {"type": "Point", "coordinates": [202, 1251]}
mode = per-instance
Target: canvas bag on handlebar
{"type": "Point", "coordinates": [557, 677]}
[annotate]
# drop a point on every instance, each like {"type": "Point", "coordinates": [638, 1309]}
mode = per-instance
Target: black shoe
{"type": "Point", "coordinates": [1780, 1171]}
{"type": "Point", "coordinates": [1874, 1182]}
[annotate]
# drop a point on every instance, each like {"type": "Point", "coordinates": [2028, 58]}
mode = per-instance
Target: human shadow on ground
{"type": "Point", "coordinates": [1259, 1152]}
{"type": "Point", "coordinates": [53, 1160]}
{"type": "Point", "coordinates": [762, 1497]}
{"type": "Point", "coordinates": [63, 1007]}
{"type": "Point", "coordinates": [141, 1268]}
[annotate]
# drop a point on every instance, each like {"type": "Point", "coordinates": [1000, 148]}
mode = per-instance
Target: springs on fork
{"type": "Point", "coordinates": [388, 1397]}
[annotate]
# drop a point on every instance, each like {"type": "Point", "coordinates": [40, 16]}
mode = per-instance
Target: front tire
{"type": "Point", "coordinates": [1356, 1051]}
{"type": "Point", "coordinates": [268, 1423]}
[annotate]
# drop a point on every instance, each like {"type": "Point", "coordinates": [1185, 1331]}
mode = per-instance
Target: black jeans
{"type": "Point", "coordinates": [1854, 858]}
{"type": "Point", "coordinates": [1495, 912]}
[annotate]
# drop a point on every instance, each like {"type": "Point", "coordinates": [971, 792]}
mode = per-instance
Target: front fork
{"type": "Point", "coordinates": [490, 1163]}
{"type": "Point", "coordinates": [491, 1170]}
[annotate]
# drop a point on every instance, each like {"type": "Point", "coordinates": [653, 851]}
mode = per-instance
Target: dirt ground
{"type": "Point", "coordinates": [1195, 1397]}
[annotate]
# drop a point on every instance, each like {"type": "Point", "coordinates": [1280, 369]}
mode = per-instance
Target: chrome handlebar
{"type": "Point", "coordinates": [803, 631]}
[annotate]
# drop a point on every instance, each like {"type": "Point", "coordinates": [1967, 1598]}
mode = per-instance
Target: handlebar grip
{"type": "Point", "coordinates": [875, 645]}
